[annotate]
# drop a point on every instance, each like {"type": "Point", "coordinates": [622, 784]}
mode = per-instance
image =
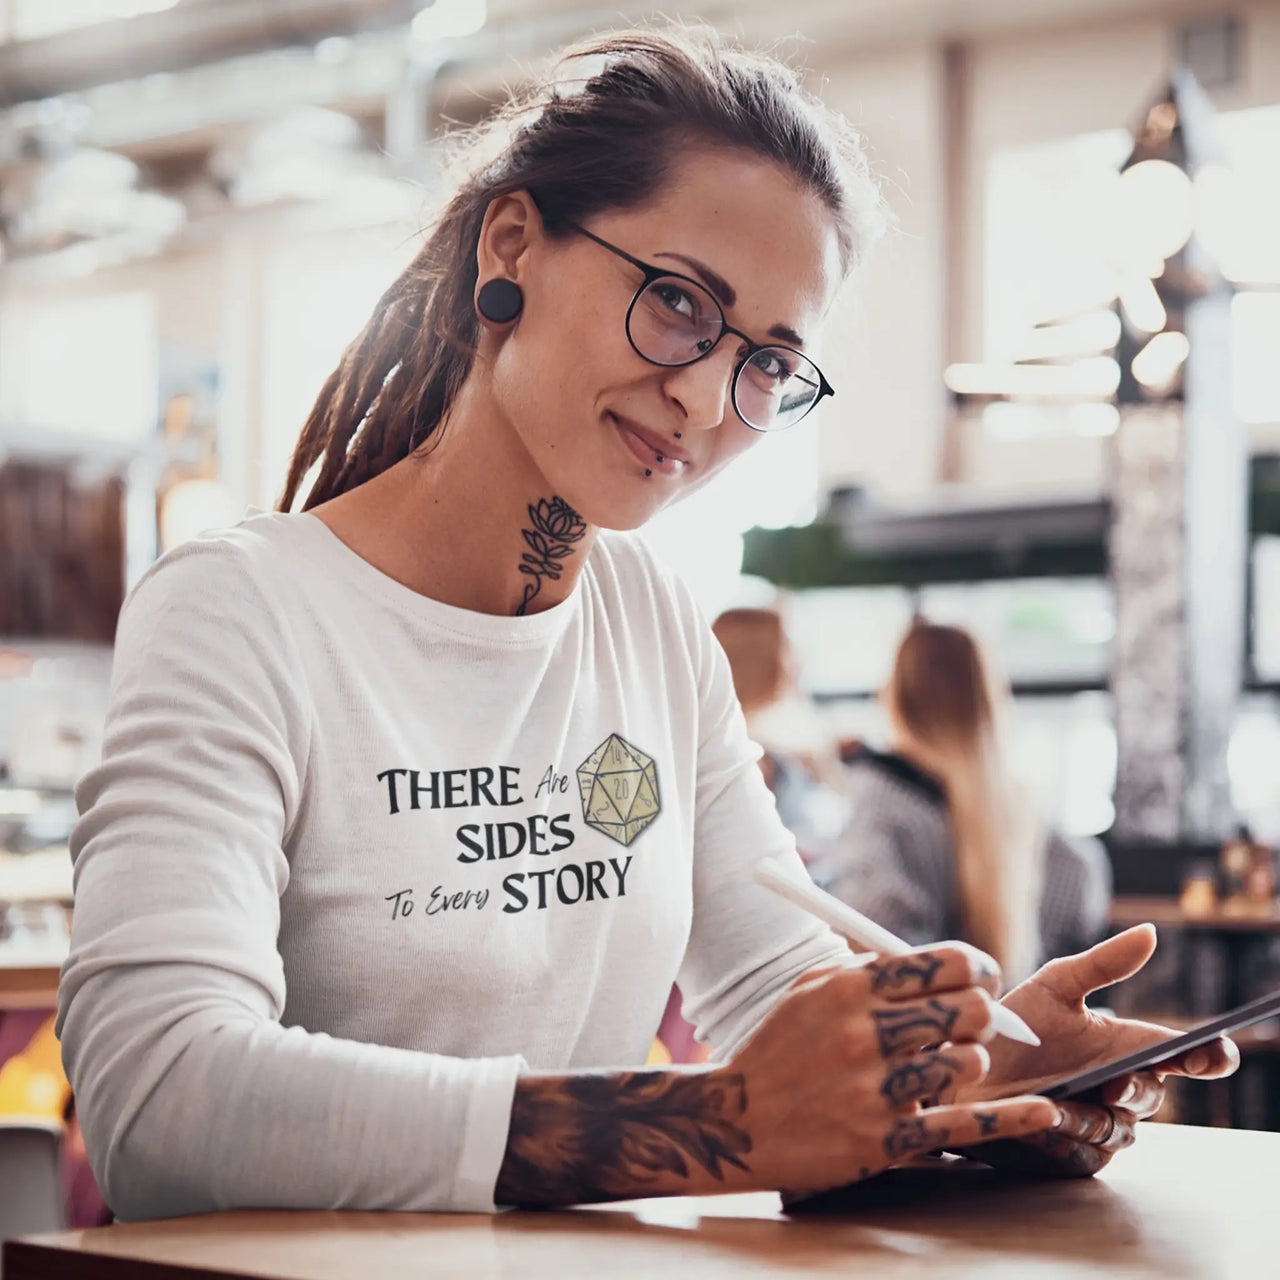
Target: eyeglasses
{"type": "Point", "coordinates": [674, 321]}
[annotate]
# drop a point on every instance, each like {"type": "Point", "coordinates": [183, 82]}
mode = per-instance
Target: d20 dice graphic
{"type": "Point", "coordinates": [619, 788]}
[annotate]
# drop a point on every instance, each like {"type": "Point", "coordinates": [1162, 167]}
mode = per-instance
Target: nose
{"type": "Point", "coordinates": [702, 389]}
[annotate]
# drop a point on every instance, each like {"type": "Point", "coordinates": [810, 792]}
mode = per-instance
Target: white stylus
{"type": "Point", "coordinates": [866, 933]}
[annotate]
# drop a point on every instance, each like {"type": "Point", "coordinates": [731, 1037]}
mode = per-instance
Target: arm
{"type": "Point", "coordinates": [192, 1095]}
{"type": "Point", "coordinates": [746, 946]}
{"type": "Point", "coordinates": [824, 1093]}
{"type": "Point", "coordinates": [612, 1136]}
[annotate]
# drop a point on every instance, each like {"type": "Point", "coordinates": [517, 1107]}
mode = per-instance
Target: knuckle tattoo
{"type": "Point", "coordinates": [988, 1123]}
{"type": "Point", "coordinates": [904, 1029]}
{"type": "Point", "coordinates": [918, 1079]}
{"type": "Point", "coordinates": [912, 1136]}
{"type": "Point", "coordinates": [904, 974]}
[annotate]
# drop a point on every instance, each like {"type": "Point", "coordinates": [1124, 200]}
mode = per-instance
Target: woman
{"type": "Point", "coordinates": [942, 841]}
{"type": "Point", "coordinates": [798, 764]}
{"type": "Point", "coordinates": [413, 804]}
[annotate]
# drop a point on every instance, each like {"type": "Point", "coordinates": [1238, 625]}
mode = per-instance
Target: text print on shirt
{"type": "Point", "coordinates": [618, 787]}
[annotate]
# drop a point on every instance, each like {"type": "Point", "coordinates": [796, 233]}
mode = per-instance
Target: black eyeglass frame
{"type": "Point", "coordinates": [653, 274]}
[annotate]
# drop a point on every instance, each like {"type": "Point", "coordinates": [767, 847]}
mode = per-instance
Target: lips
{"type": "Point", "coordinates": [650, 448]}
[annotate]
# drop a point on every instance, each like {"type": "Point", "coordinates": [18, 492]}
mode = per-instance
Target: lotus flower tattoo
{"type": "Point", "coordinates": [556, 527]}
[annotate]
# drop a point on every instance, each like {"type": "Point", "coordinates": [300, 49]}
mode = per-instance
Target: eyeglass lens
{"type": "Point", "coordinates": [675, 322]}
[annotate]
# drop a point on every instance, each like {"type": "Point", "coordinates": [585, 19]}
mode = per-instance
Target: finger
{"type": "Point", "coordinates": [1209, 1062]}
{"type": "Point", "coordinates": [902, 1029]}
{"type": "Point", "coordinates": [1050, 1152]}
{"type": "Point", "coordinates": [967, 1126]}
{"type": "Point", "coordinates": [1141, 1094]}
{"type": "Point", "coordinates": [949, 966]}
{"type": "Point", "coordinates": [1072, 978]}
{"type": "Point", "coordinates": [1099, 1127]}
{"type": "Point", "coordinates": [929, 1077]}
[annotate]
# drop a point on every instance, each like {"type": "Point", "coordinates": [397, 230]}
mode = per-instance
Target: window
{"type": "Point", "coordinates": [1050, 244]}
{"type": "Point", "coordinates": [84, 366]}
{"type": "Point", "coordinates": [318, 295]}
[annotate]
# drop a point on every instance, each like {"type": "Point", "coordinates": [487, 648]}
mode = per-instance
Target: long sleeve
{"type": "Point", "coordinates": [746, 946]}
{"type": "Point", "coordinates": [192, 1095]}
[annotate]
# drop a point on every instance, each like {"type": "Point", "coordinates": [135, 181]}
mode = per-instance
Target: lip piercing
{"type": "Point", "coordinates": [660, 458]}
{"type": "Point", "coordinates": [679, 435]}
{"type": "Point", "coordinates": [647, 471]}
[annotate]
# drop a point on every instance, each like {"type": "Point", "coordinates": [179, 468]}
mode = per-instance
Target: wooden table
{"type": "Point", "coordinates": [1182, 1203]}
{"type": "Point", "coordinates": [1168, 913]}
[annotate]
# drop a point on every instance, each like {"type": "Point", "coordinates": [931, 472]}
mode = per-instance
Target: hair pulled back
{"type": "Point", "coordinates": [597, 135]}
{"type": "Point", "coordinates": [943, 693]}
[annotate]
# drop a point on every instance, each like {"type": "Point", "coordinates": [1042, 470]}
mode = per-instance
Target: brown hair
{"type": "Point", "coordinates": [756, 645]}
{"type": "Point", "coordinates": [578, 146]}
{"type": "Point", "coordinates": [945, 700]}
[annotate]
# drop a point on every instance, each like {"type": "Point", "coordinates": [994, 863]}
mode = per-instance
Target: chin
{"type": "Point", "coordinates": [621, 516]}
{"type": "Point", "coordinates": [625, 504]}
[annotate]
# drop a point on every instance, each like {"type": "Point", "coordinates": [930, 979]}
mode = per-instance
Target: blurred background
{"type": "Point", "coordinates": [1057, 422]}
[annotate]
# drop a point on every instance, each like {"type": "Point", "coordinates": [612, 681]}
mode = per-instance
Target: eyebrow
{"type": "Point", "coordinates": [727, 295]}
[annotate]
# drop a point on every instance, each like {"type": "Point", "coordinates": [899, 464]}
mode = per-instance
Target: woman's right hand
{"type": "Point", "coordinates": [840, 1080]}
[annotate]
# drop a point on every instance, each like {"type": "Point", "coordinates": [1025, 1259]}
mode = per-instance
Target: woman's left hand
{"type": "Point", "coordinates": [1073, 1038]}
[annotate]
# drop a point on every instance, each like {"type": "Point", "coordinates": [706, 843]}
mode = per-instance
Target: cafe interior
{"type": "Point", "coordinates": [1057, 424]}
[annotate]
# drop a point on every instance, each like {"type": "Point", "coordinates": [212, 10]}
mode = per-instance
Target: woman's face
{"type": "Point", "coordinates": [592, 413]}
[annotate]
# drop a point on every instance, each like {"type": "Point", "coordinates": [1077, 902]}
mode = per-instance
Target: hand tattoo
{"type": "Point", "coordinates": [899, 1030]}
{"type": "Point", "coordinates": [918, 1080]}
{"type": "Point", "coordinates": [600, 1137]}
{"type": "Point", "coordinates": [910, 1137]}
{"type": "Point", "coordinates": [904, 974]}
{"type": "Point", "coordinates": [556, 526]}
{"type": "Point", "coordinates": [988, 1123]}
{"type": "Point", "coordinates": [987, 968]}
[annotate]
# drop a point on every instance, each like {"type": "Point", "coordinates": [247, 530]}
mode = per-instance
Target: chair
{"type": "Point", "coordinates": [30, 1176]}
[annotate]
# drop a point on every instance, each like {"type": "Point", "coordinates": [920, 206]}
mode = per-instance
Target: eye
{"type": "Point", "coordinates": [775, 364]}
{"type": "Point", "coordinates": [675, 299]}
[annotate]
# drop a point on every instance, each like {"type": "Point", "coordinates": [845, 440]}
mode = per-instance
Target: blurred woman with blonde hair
{"type": "Point", "coordinates": [943, 840]}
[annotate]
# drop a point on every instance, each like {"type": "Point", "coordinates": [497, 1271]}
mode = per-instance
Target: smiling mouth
{"type": "Point", "coordinates": [652, 458]}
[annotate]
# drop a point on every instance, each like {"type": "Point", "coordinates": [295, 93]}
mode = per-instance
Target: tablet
{"type": "Point", "coordinates": [1152, 1056]}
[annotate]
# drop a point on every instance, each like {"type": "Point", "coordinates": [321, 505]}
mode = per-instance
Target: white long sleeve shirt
{"type": "Point", "coordinates": [354, 858]}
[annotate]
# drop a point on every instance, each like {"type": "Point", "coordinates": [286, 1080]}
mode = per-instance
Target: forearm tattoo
{"type": "Point", "coordinates": [904, 975]}
{"type": "Point", "coordinates": [919, 1080]}
{"type": "Point", "coordinates": [580, 1138]}
{"type": "Point", "coordinates": [555, 527]}
{"type": "Point", "coordinates": [901, 1030]}
{"type": "Point", "coordinates": [910, 1137]}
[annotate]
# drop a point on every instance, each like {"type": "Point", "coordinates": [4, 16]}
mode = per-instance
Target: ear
{"type": "Point", "coordinates": [511, 224]}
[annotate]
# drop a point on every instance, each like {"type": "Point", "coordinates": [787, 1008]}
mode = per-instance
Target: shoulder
{"type": "Point", "coordinates": [229, 577]}
{"type": "Point", "coordinates": [1076, 858]}
{"type": "Point", "coordinates": [892, 781]}
{"type": "Point", "coordinates": [625, 565]}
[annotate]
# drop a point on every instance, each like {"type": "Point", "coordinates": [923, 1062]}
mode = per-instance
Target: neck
{"type": "Point", "coordinates": [473, 523]}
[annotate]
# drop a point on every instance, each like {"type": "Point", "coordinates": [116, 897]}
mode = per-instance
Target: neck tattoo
{"type": "Point", "coordinates": [555, 527]}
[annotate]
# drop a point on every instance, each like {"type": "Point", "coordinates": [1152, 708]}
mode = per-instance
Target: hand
{"type": "Point", "coordinates": [838, 1078]}
{"type": "Point", "coordinates": [1073, 1038]}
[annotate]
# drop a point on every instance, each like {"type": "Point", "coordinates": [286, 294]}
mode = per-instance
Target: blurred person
{"type": "Point", "coordinates": [798, 757]}
{"type": "Point", "coordinates": [414, 803]}
{"type": "Point", "coordinates": [943, 840]}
